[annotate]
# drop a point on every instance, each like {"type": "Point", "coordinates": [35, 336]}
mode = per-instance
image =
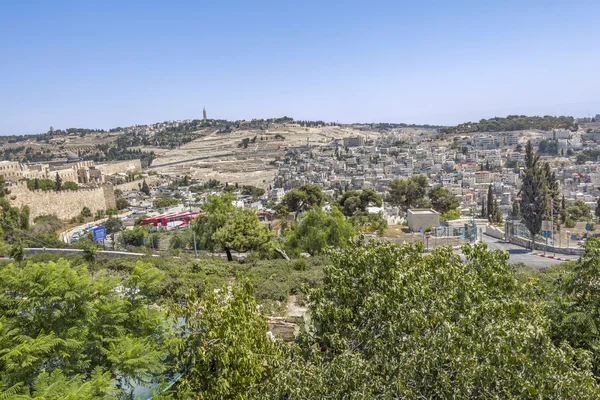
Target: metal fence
{"type": "Point", "coordinates": [466, 233]}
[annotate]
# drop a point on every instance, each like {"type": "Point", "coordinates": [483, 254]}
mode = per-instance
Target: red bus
{"type": "Point", "coordinates": [171, 221]}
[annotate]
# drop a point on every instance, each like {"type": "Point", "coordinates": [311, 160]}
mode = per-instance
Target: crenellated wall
{"type": "Point", "coordinates": [64, 204]}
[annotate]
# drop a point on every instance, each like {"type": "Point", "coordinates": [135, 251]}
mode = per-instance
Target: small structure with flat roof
{"type": "Point", "coordinates": [422, 218]}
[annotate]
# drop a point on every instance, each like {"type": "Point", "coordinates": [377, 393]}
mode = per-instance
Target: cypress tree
{"type": "Point", "coordinates": [145, 188]}
{"type": "Point", "coordinates": [497, 213]}
{"type": "Point", "coordinates": [490, 203]}
{"type": "Point", "coordinates": [534, 193]}
{"type": "Point", "coordinates": [58, 182]}
{"type": "Point", "coordinates": [553, 193]}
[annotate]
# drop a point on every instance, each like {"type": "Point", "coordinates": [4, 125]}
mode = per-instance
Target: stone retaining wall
{"type": "Point", "coordinates": [519, 241]}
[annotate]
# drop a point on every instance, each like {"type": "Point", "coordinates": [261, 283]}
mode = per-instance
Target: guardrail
{"type": "Point", "coordinates": [101, 253]}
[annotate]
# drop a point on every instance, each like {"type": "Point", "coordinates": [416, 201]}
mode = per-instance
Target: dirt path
{"type": "Point", "coordinates": [293, 309]}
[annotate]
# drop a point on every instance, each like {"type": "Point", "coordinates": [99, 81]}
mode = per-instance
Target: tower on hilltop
{"type": "Point", "coordinates": [204, 114]}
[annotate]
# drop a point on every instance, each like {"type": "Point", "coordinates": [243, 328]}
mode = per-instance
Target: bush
{"type": "Point", "coordinates": [165, 202]}
{"type": "Point", "coordinates": [46, 223]}
{"type": "Point", "coordinates": [134, 237]}
{"type": "Point", "coordinates": [122, 204]}
{"type": "Point", "coordinates": [70, 186]}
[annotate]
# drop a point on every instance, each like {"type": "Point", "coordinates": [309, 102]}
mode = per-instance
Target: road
{"type": "Point", "coordinates": [519, 254]}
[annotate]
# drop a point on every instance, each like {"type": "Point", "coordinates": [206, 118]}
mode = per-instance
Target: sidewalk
{"type": "Point", "coordinates": [559, 257]}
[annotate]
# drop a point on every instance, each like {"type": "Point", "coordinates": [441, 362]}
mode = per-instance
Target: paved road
{"type": "Point", "coordinates": [519, 254]}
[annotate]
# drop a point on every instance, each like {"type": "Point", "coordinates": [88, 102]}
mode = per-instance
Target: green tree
{"type": "Point", "coordinates": [59, 325]}
{"type": "Point", "coordinates": [368, 222]}
{"type": "Point", "coordinates": [70, 186]}
{"type": "Point", "coordinates": [218, 210]}
{"type": "Point", "coordinates": [577, 312]}
{"type": "Point", "coordinates": [165, 202]}
{"type": "Point", "coordinates": [578, 210]}
{"type": "Point", "coordinates": [24, 218]}
{"type": "Point", "coordinates": [134, 237]}
{"type": "Point", "coordinates": [553, 193]}
{"type": "Point", "coordinates": [225, 350]}
{"type": "Point", "coordinates": [597, 210]}
{"type": "Point", "coordinates": [122, 204]}
{"type": "Point", "coordinates": [450, 215]}
{"type": "Point", "coordinates": [354, 200]}
{"type": "Point", "coordinates": [490, 203]}
{"type": "Point", "coordinates": [407, 193]}
{"type": "Point", "coordinates": [318, 229]}
{"type": "Point", "coordinates": [86, 212]}
{"type": "Point", "coordinates": [389, 323]}
{"type": "Point", "coordinates": [16, 252]}
{"type": "Point", "coordinates": [58, 182]}
{"type": "Point", "coordinates": [299, 199]}
{"type": "Point", "coordinates": [534, 193]}
{"type": "Point", "coordinates": [442, 200]}
{"type": "Point", "coordinates": [145, 188]}
{"type": "Point", "coordinates": [113, 224]}
{"type": "Point", "coordinates": [497, 213]}
{"type": "Point", "coordinates": [242, 232]}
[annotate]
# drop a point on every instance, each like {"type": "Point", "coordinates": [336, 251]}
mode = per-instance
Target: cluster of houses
{"type": "Point", "coordinates": [465, 164]}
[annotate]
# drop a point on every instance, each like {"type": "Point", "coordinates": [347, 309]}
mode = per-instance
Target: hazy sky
{"type": "Point", "coordinates": [101, 64]}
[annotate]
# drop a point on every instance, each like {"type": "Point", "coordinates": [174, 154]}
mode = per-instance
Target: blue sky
{"type": "Point", "coordinates": [116, 63]}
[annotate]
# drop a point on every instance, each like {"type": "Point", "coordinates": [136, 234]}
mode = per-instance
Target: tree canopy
{"type": "Point", "coordinates": [534, 192]}
{"type": "Point", "coordinates": [301, 198]}
{"type": "Point", "coordinates": [442, 200]}
{"type": "Point", "coordinates": [242, 232]}
{"type": "Point", "coordinates": [57, 324]}
{"type": "Point", "coordinates": [408, 193]}
{"type": "Point", "coordinates": [355, 200]}
{"type": "Point", "coordinates": [318, 229]}
{"type": "Point", "coordinates": [513, 123]}
{"type": "Point", "coordinates": [218, 210]}
{"type": "Point", "coordinates": [428, 327]}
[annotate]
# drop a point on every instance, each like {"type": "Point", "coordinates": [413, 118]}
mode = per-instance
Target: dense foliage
{"type": "Point", "coordinates": [408, 193]}
{"type": "Point", "coordinates": [354, 201]}
{"type": "Point", "coordinates": [442, 200]}
{"type": "Point", "coordinates": [513, 123]}
{"type": "Point", "coordinates": [165, 202]}
{"type": "Point", "coordinates": [59, 324]}
{"type": "Point", "coordinates": [317, 229]}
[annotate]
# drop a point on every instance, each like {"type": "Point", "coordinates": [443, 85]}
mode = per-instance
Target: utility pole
{"type": "Point", "coordinates": [552, 222]}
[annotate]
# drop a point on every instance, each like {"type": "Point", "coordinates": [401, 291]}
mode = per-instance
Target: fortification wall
{"type": "Point", "coordinates": [120, 166]}
{"type": "Point", "coordinates": [64, 204]}
{"type": "Point", "coordinates": [152, 181]}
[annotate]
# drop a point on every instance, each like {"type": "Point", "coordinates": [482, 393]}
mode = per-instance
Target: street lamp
{"type": "Point", "coordinates": [568, 238]}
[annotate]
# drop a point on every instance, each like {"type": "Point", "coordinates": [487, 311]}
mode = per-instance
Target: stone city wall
{"type": "Point", "coordinates": [64, 204]}
{"type": "Point", "coordinates": [120, 167]}
{"type": "Point", "coordinates": [152, 181]}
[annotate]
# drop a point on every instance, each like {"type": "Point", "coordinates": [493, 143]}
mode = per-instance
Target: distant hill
{"type": "Point", "coordinates": [514, 123]}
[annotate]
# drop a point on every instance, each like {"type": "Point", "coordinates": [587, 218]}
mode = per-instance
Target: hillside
{"type": "Point", "coordinates": [245, 155]}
